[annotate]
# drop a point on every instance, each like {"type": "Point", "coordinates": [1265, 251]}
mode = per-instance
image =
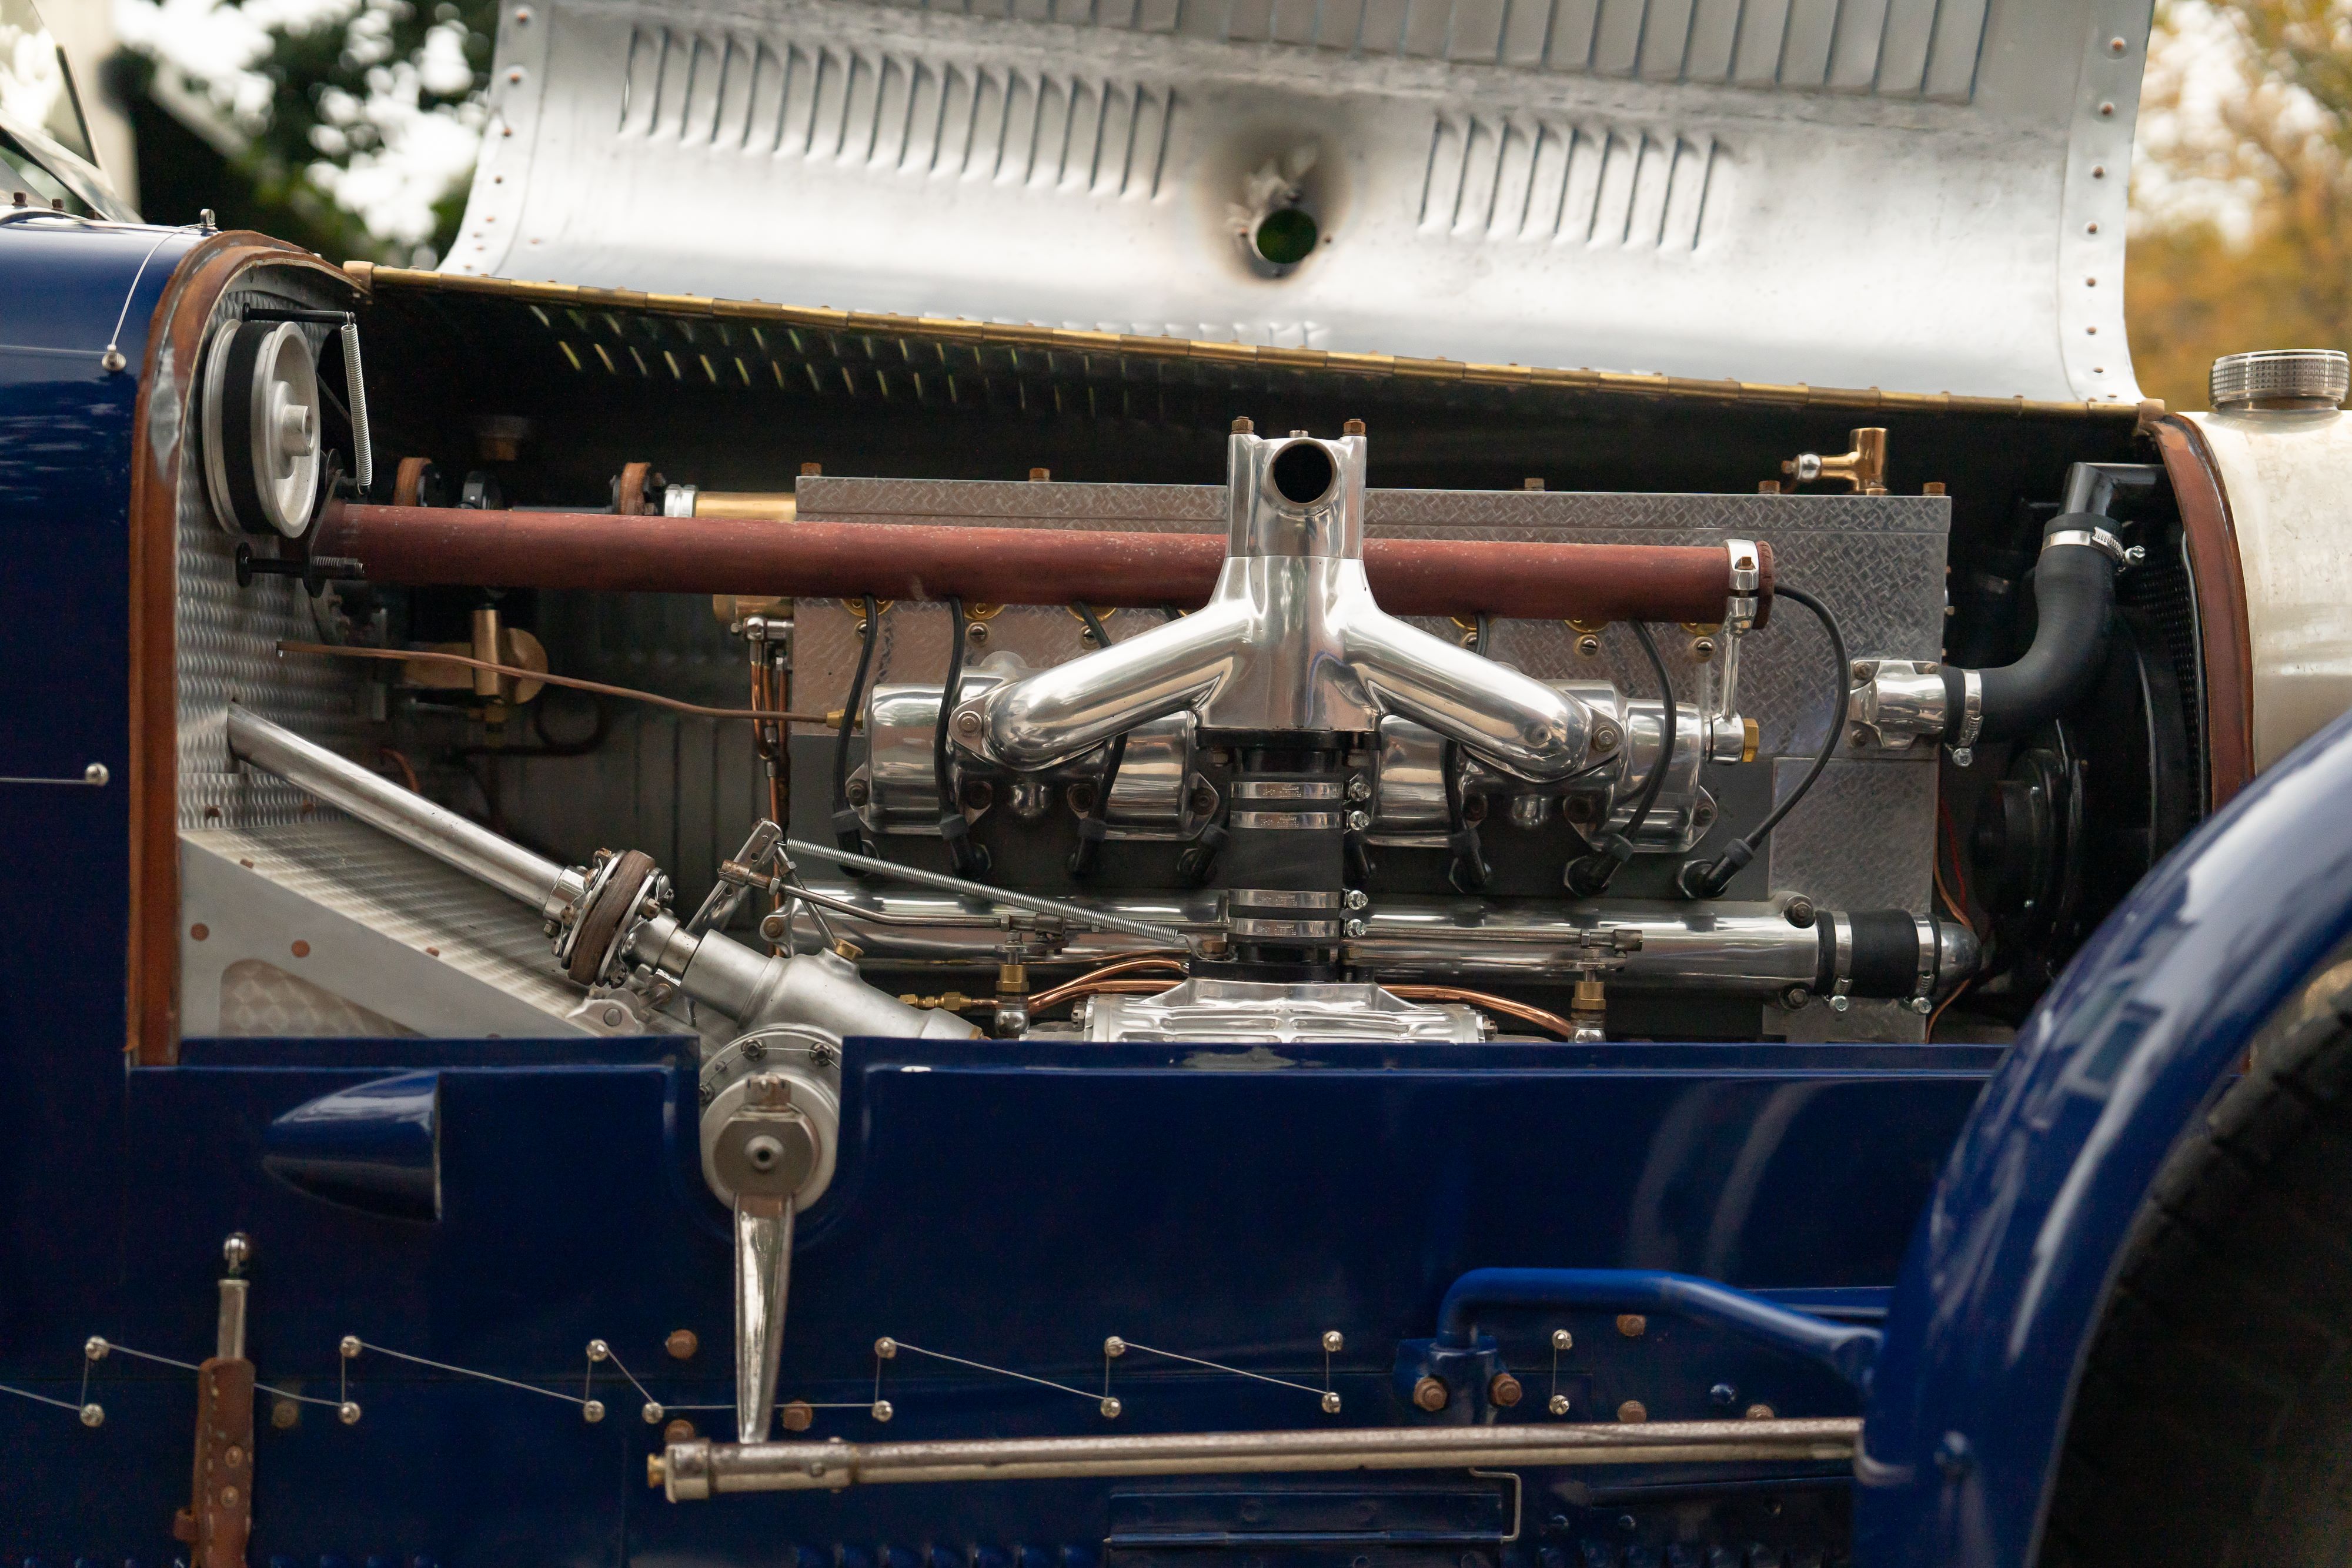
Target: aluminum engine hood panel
{"type": "Point", "coordinates": [1922, 195]}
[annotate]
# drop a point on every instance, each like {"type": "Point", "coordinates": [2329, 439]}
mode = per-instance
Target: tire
{"type": "Point", "coordinates": [2213, 1424]}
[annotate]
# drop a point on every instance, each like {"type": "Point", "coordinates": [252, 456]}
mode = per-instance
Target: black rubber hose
{"type": "Point", "coordinates": [2074, 599]}
{"type": "Point", "coordinates": [970, 859]}
{"type": "Point", "coordinates": [1589, 876]}
{"type": "Point", "coordinates": [848, 828]}
{"type": "Point", "coordinates": [1707, 879]}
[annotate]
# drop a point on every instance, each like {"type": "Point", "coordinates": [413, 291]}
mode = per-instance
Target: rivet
{"type": "Point", "coordinates": [348, 1413]}
{"type": "Point", "coordinates": [679, 1431]}
{"type": "Point", "coordinates": [302, 949]}
{"type": "Point", "coordinates": [1562, 1340]}
{"type": "Point", "coordinates": [682, 1343]}
{"type": "Point", "coordinates": [1332, 1343]}
{"type": "Point", "coordinates": [1633, 1411]}
{"type": "Point", "coordinates": [1759, 1412]}
{"type": "Point", "coordinates": [1331, 1404]}
{"type": "Point", "coordinates": [886, 1347]}
{"type": "Point", "coordinates": [199, 931]}
{"type": "Point", "coordinates": [882, 1411]}
{"type": "Point", "coordinates": [1111, 1409]}
{"type": "Point", "coordinates": [593, 1411]}
{"type": "Point", "coordinates": [1632, 1325]}
{"type": "Point", "coordinates": [1558, 1405]}
{"type": "Point", "coordinates": [93, 1416]}
{"type": "Point", "coordinates": [1114, 1346]}
{"type": "Point", "coordinates": [2116, 45]}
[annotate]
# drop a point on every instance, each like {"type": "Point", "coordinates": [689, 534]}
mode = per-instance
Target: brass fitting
{"type": "Point", "coordinates": [1863, 470]}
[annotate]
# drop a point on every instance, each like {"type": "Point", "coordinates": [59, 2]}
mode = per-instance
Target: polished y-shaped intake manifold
{"type": "Point", "coordinates": [1291, 641]}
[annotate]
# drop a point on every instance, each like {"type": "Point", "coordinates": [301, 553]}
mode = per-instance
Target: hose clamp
{"type": "Point", "coordinates": [1841, 961]}
{"type": "Point", "coordinates": [2094, 537]}
{"type": "Point", "coordinates": [1747, 583]}
{"type": "Point", "coordinates": [1923, 990]}
{"type": "Point", "coordinates": [1971, 725]}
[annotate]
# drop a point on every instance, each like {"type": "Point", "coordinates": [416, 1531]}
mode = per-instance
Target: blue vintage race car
{"type": "Point", "coordinates": [1136, 889]}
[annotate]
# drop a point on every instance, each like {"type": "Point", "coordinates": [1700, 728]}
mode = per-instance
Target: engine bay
{"type": "Point", "coordinates": [1048, 757]}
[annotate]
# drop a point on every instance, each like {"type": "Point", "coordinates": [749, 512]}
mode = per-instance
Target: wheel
{"type": "Point", "coordinates": [2213, 1425]}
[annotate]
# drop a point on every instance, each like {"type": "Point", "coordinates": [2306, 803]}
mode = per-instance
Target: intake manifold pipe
{"type": "Point", "coordinates": [1291, 641]}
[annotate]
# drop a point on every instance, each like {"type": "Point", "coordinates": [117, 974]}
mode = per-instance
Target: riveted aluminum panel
{"type": "Point", "coordinates": [1903, 193]}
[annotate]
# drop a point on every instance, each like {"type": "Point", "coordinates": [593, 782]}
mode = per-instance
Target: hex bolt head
{"type": "Point", "coordinates": [886, 1347]}
{"type": "Point", "coordinates": [797, 1415]}
{"type": "Point", "coordinates": [1358, 788]}
{"type": "Point", "coordinates": [1605, 737]}
{"type": "Point", "coordinates": [1559, 1405]}
{"type": "Point", "coordinates": [1795, 996]}
{"type": "Point", "coordinates": [1503, 1390]}
{"type": "Point", "coordinates": [1431, 1393]}
{"type": "Point", "coordinates": [1800, 912]}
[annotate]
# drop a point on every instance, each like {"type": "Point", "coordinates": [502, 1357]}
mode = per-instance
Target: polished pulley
{"type": "Point", "coordinates": [260, 417]}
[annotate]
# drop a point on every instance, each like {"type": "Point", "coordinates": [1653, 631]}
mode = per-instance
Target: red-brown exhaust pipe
{"type": "Point", "coordinates": [422, 545]}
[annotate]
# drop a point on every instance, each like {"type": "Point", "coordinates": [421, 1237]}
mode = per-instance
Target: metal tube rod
{"type": "Point", "coordinates": [702, 1468]}
{"type": "Point", "coordinates": [815, 560]}
{"type": "Point", "coordinates": [382, 804]}
{"type": "Point", "coordinates": [1748, 949]}
{"type": "Point", "coordinates": [1163, 936]}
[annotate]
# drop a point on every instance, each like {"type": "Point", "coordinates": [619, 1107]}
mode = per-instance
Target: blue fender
{"type": "Point", "coordinates": [2008, 1273]}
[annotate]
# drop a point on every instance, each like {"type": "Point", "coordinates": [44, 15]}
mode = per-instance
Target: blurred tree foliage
{"type": "Point", "coordinates": [2280, 139]}
{"type": "Point", "coordinates": [352, 133]}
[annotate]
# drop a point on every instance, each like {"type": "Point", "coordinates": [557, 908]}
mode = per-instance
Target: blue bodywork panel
{"type": "Point", "coordinates": [2006, 1279]}
{"type": "Point", "coordinates": [1013, 1203]}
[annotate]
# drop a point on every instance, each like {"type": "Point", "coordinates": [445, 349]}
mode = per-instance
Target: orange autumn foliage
{"type": "Point", "coordinates": [2283, 140]}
